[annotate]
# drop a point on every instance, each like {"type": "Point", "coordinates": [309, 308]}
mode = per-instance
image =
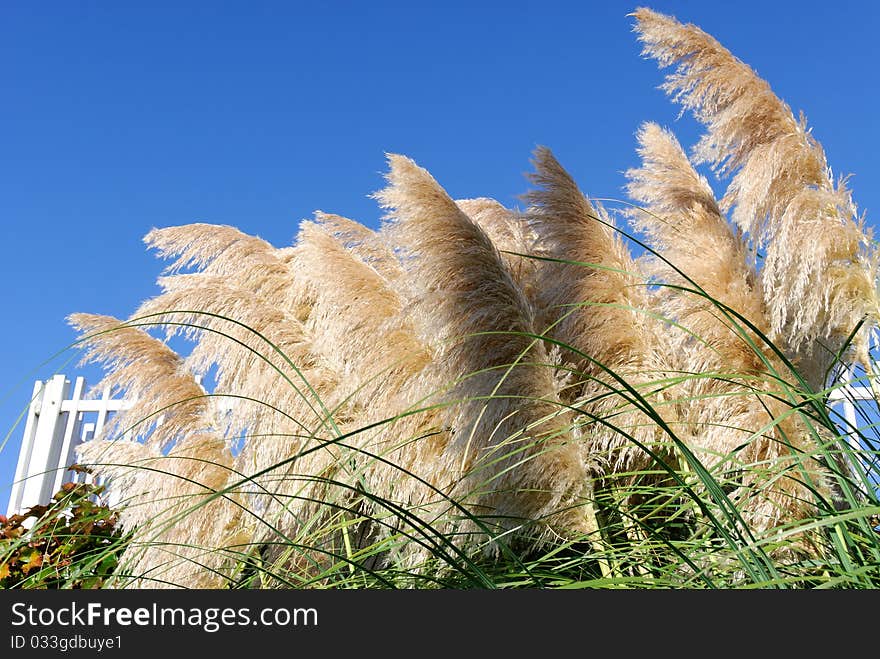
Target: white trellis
{"type": "Point", "coordinates": [59, 419]}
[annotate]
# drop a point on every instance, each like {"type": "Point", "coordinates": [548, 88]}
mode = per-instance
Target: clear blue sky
{"type": "Point", "coordinates": [116, 117]}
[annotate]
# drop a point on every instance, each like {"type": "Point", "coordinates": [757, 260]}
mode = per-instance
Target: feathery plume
{"type": "Point", "coordinates": [188, 528]}
{"type": "Point", "coordinates": [150, 373]}
{"type": "Point", "coordinates": [683, 223]}
{"type": "Point", "coordinates": [733, 390]}
{"type": "Point", "coordinates": [594, 300]}
{"type": "Point", "coordinates": [501, 407]}
{"type": "Point", "coordinates": [511, 234]}
{"type": "Point", "coordinates": [353, 306]}
{"type": "Point", "coordinates": [819, 270]}
{"type": "Point", "coordinates": [594, 268]}
{"type": "Point", "coordinates": [365, 243]}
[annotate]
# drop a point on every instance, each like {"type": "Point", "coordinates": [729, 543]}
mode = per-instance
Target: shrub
{"type": "Point", "coordinates": [71, 542]}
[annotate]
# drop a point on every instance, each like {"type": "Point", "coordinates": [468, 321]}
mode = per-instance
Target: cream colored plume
{"type": "Point", "coordinates": [252, 319]}
{"type": "Point", "coordinates": [819, 269]}
{"type": "Point", "coordinates": [595, 285]}
{"type": "Point", "coordinates": [594, 301]}
{"type": "Point", "coordinates": [700, 251]}
{"type": "Point", "coordinates": [359, 329]}
{"type": "Point", "coordinates": [355, 319]}
{"type": "Point", "coordinates": [149, 373]}
{"type": "Point", "coordinates": [165, 485]}
{"type": "Point", "coordinates": [509, 456]}
{"type": "Point", "coordinates": [511, 234]}
{"type": "Point", "coordinates": [188, 524]}
{"type": "Point", "coordinates": [731, 400]}
{"type": "Point", "coordinates": [363, 242]}
{"type": "Point", "coordinates": [251, 342]}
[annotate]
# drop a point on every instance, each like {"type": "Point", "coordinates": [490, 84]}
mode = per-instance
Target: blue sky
{"type": "Point", "coordinates": [117, 117]}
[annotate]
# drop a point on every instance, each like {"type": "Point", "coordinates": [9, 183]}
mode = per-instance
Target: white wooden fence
{"type": "Point", "coordinates": [59, 419]}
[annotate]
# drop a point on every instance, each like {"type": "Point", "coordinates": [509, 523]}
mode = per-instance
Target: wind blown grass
{"type": "Point", "coordinates": [473, 396]}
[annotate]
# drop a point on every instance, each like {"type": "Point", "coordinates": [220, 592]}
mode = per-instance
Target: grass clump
{"type": "Point", "coordinates": [558, 396]}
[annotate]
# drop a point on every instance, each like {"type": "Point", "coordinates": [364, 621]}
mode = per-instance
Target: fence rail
{"type": "Point", "coordinates": [59, 418]}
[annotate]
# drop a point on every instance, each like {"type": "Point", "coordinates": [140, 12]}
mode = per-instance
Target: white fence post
{"type": "Point", "coordinates": [27, 447]}
{"type": "Point", "coordinates": [37, 462]}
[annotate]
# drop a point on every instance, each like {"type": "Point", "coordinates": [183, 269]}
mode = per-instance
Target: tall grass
{"type": "Point", "coordinates": [474, 396]}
